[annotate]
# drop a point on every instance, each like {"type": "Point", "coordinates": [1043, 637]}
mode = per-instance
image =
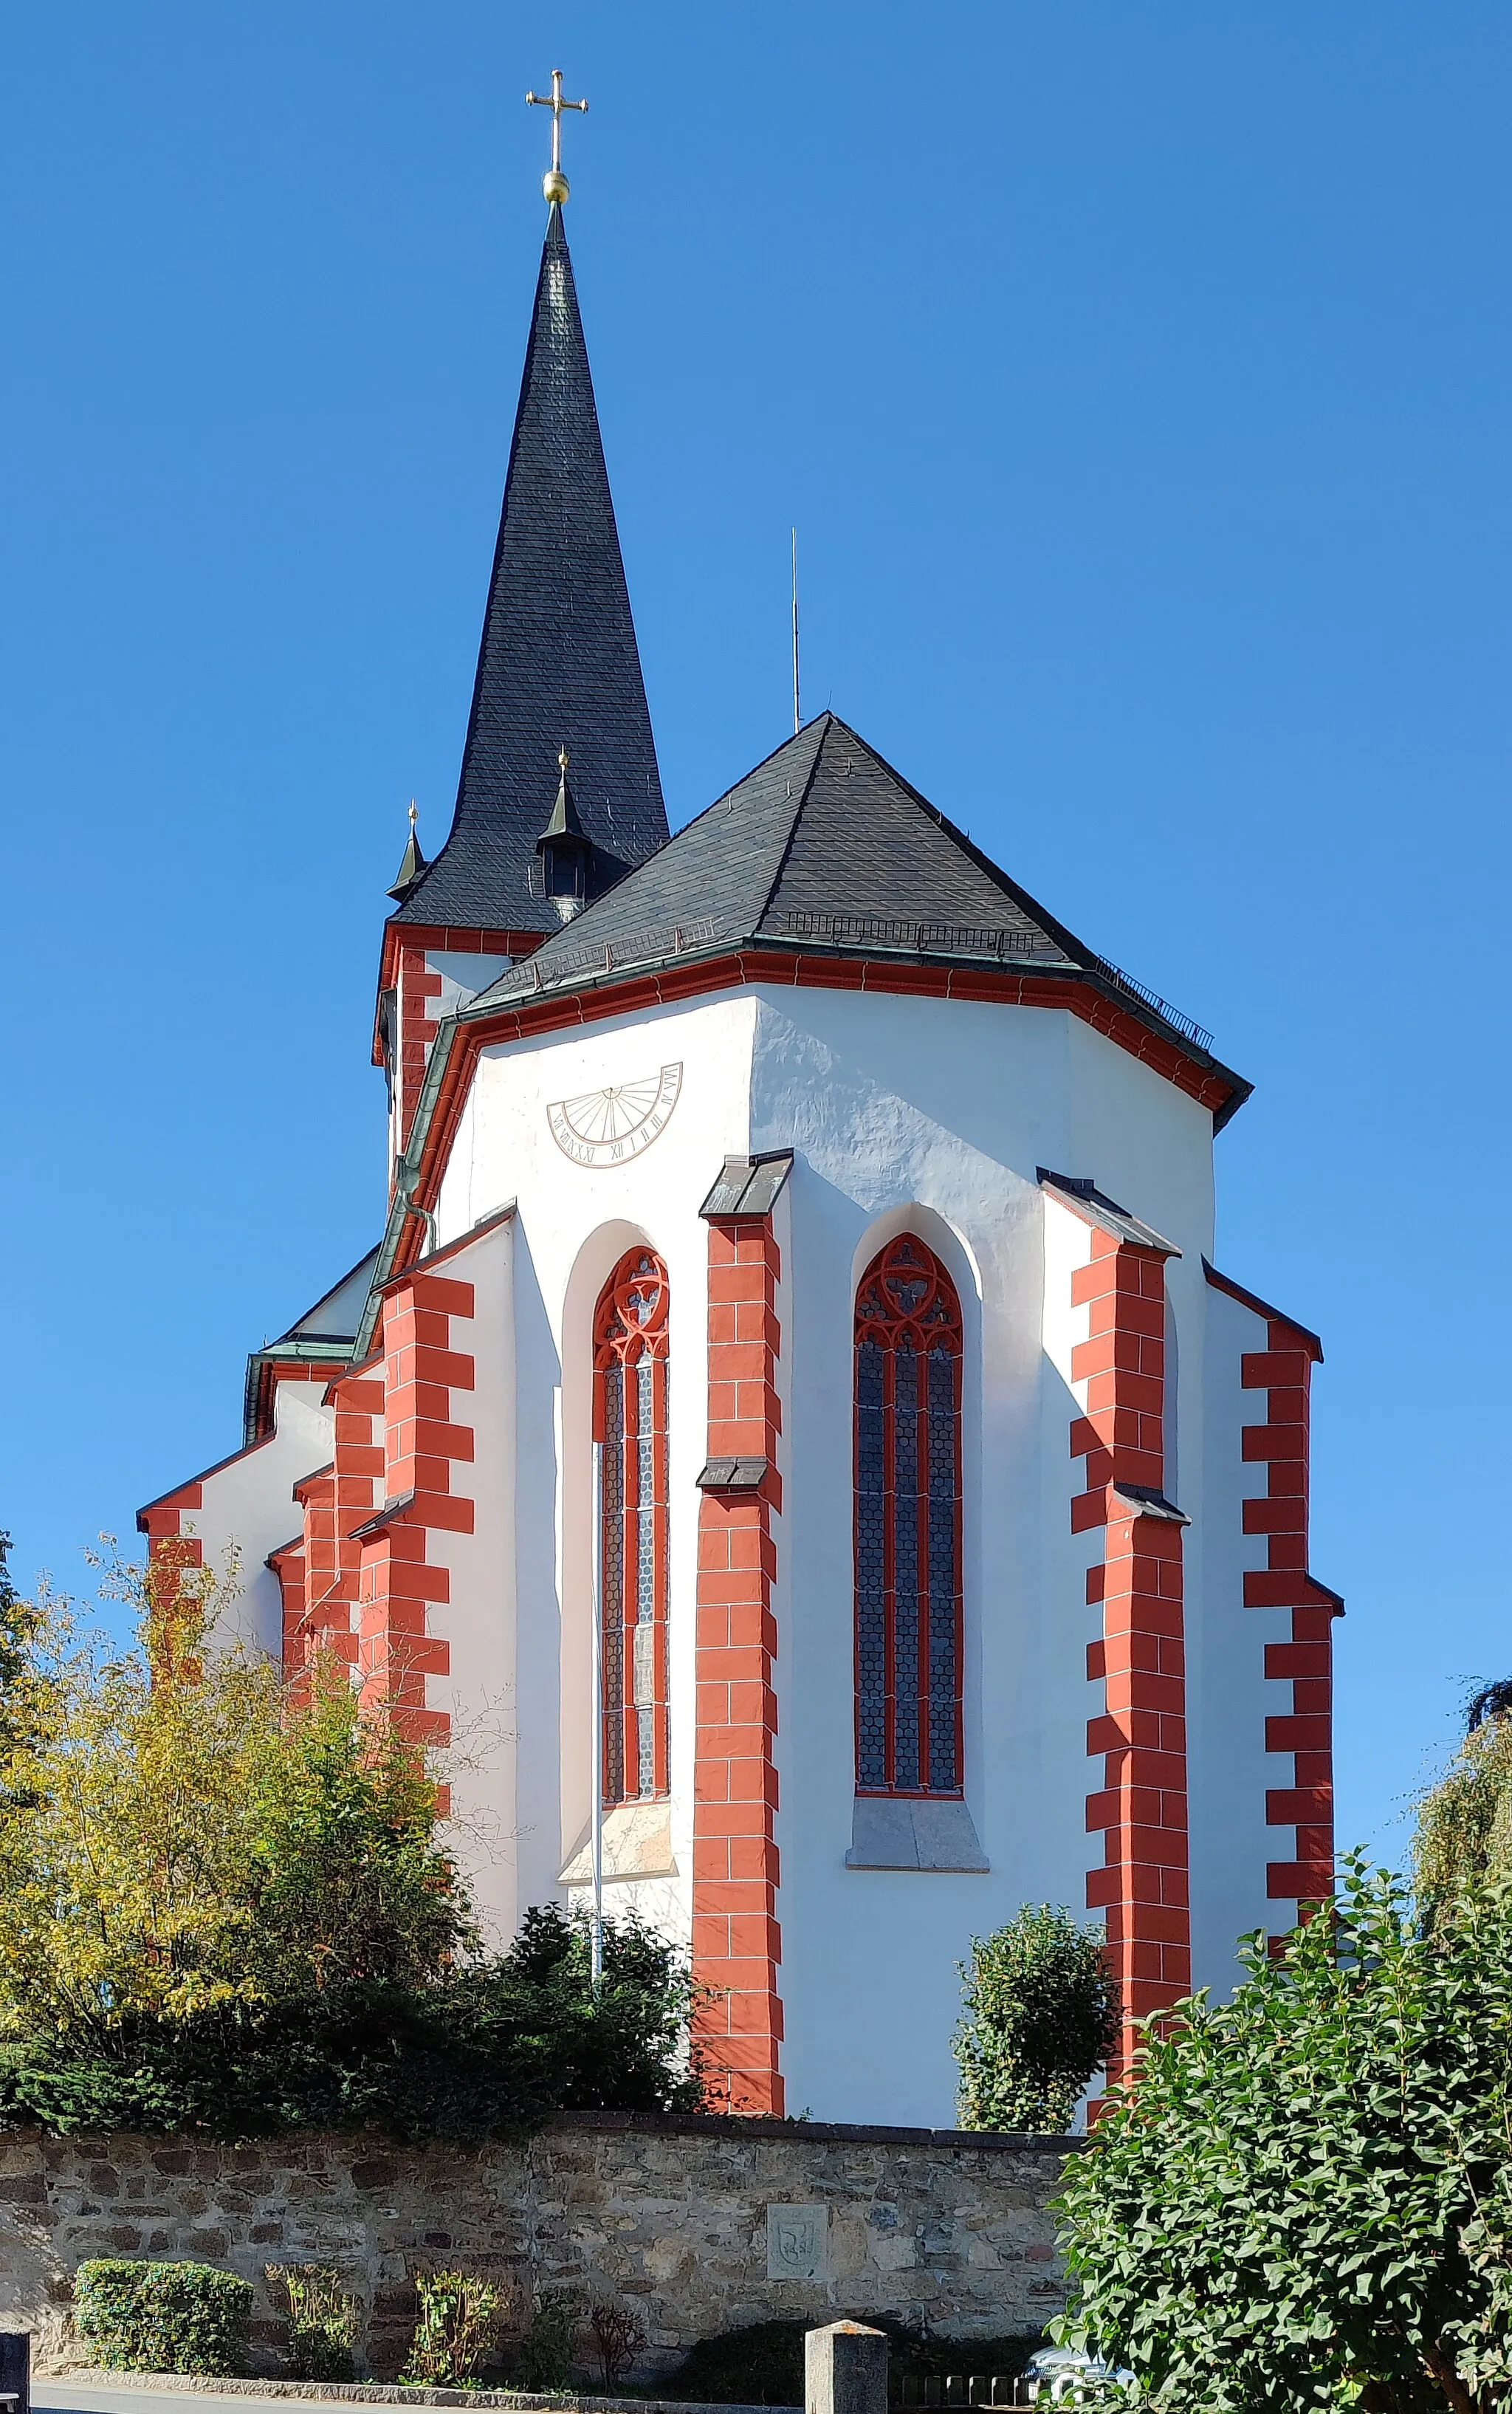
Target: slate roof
{"type": "Point", "coordinates": [324, 1336]}
{"type": "Point", "coordinates": [824, 845]}
{"type": "Point", "coordinates": [559, 664]}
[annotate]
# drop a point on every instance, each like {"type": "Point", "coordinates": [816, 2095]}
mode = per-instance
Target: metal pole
{"type": "Point", "coordinates": [597, 1659]}
{"type": "Point", "coordinates": [797, 718]}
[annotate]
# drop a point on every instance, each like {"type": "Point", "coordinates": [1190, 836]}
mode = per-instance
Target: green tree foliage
{"type": "Point", "coordinates": [1464, 1821]}
{"type": "Point", "coordinates": [18, 1621]}
{"type": "Point", "coordinates": [226, 1908]}
{"type": "Point", "coordinates": [1041, 2017]}
{"type": "Point", "coordinates": [346, 1875]}
{"type": "Point", "coordinates": [1305, 2197]}
{"type": "Point", "coordinates": [177, 1835]}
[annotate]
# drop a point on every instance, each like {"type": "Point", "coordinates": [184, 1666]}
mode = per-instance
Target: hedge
{"type": "Point", "coordinates": [163, 2316]}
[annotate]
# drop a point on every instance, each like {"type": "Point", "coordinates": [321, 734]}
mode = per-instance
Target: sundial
{"type": "Point", "coordinates": [611, 1126]}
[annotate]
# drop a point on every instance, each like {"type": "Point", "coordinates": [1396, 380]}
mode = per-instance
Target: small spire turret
{"type": "Point", "coordinates": [413, 863]}
{"type": "Point", "coordinates": [565, 850]}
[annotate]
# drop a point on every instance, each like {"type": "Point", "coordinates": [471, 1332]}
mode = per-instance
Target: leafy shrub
{"type": "Point", "coordinates": [545, 2355]}
{"type": "Point", "coordinates": [457, 2327]}
{"type": "Point", "coordinates": [323, 2320]}
{"type": "Point", "coordinates": [1042, 2016]}
{"type": "Point", "coordinates": [618, 2334]}
{"type": "Point", "coordinates": [1305, 2200]}
{"type": "Point", "coordinates": [486, 2051]}
{"type": "Point", "coordinates": [163, 2316]}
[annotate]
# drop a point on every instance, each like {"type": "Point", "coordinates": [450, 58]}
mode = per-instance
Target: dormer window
{"type": "Point", "coordinates": [564, 850]}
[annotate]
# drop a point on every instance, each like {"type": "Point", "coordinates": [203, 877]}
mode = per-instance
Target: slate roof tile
{"type": "Point", "coordinates": [822, 845]}
{"type": "Point", "coordinates": [559, 664]}
{"type": "Point", "coordinates": [824, 841]}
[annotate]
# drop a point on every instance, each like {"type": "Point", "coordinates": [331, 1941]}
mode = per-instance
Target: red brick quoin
{"type": "Point", "coordinates": [1284, 1371]}
{"type": "Point", "coordinates": [1142, 1888]}
{"type": "Point", "coordinates": [319, 1573]}
{"type": "Point", "coordinates": [423, 1372]}
{"type": "Point", "coordinates": [737, 1944]}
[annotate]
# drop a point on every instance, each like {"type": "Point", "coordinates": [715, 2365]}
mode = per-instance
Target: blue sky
{"type": "Point", "coordinates": [1140, 379]}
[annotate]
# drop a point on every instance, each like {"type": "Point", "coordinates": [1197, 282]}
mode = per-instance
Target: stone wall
{"type": "Point", "coordinates": [701, 2223]}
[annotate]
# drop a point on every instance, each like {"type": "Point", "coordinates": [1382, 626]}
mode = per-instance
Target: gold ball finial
{"type": "Point", "coordinates": [553, 183]}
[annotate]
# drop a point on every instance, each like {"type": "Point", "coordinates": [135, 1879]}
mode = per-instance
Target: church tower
{"type": "Point", "coordinates": [558, 671]}
{"type": "Point", "coordinates": [792, 1445]}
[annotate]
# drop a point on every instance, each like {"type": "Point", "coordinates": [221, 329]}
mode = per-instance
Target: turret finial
{"type": "Point", "coordinates": [553, 183]}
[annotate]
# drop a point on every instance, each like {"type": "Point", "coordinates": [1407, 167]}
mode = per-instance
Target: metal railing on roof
{"type": "Point", "coordinates": [655, 945]}
{"type": "Point", "coordinates": [1196, 1031]}
{"type": "Point", "coordinates": [916, 938]}
{"type": "Point", "coordinates": [617, 955]}
{"type": "Point", "coordinates": [952, 939]}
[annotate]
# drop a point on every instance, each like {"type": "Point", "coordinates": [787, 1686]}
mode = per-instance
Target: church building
{"type": "Point", "coordinates": [792, 1450]}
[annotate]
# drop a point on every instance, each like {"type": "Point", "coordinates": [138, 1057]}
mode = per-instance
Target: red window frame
{"type": "Point", "coordinates": [908, 1352]}
{"type": "Point", "coordinates": [630, 1341]}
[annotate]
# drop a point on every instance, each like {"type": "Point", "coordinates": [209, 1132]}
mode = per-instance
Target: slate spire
{"type": "Point", "coordinates": [559, 664]}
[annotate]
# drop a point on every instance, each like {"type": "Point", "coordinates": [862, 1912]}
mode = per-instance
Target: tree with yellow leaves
{"type": "Point", "coordinates": [176, 1833]}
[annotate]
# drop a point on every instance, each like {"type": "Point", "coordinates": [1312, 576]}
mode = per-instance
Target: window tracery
{"type": "Point", "coordinates": [629, 1384]}
{"type": "Point", "coordinates": [908, 1524]}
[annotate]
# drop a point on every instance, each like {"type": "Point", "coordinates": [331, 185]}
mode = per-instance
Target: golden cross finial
{"type": "Point", "coordinates": [564, 758]}
{"type": "Point", "coordinates": [553, 183]}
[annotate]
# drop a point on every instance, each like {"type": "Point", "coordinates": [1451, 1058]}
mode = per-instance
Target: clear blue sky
{"type": "Point", "coordinates": [1140, 379]}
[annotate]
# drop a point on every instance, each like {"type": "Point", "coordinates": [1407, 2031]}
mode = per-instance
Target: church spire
{"type": "Point", "coordinates": [559, 664]}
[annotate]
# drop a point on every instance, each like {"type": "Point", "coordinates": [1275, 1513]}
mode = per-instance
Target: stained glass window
{"type": "Point", "coordinates": [908, 1524]}
{"type": "Point", "coordinates": [629, 1361]}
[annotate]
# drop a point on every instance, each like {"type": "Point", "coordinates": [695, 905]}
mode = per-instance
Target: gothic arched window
{"type": "Point", "coordinates": [908, 1524]}
{"type": "Point", "coordinates": [629, 1419]}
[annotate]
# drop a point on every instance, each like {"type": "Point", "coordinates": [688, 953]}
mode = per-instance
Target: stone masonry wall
{"type": "Point", "coordinates": [701, 2223]}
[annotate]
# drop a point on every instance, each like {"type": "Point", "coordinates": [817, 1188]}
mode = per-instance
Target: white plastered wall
{"type": "Point", "coordinates": [249, 1509]}
{"type": "Point", "coordinates": [572, 1224]}
{"type": "Point", "coordinates": [938, 1113]}
{"type": "Point", "coordinates": [899, 1110]}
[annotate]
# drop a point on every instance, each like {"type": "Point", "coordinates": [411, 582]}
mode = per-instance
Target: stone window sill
{"type": "Point", "coordinates": [637, 1844]}
{"type": "Point", "coordinates": [899, 1832]}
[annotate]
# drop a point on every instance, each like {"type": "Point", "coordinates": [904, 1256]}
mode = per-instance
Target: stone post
{"type": "Point", "coordinates": [15, 2368]}
{"type": "Point", "coordinates": [845, 2370]}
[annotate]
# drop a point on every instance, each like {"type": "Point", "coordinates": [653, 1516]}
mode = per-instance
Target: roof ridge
{"type": "Point", "coordinates": [1076, 948]}
{"type": "Point", "coordinates": [827, 718]}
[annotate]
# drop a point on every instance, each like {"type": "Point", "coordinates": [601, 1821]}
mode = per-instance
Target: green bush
{"type": "Point", "coordinates": [545, 2356]}
{"type": "Point", "coordinates": [163, 2316]}
{"type": "Point", "coordinates": [1041, 2017]}
{"type": "Point", "coordinates": [1303, 2201]}
{"type": "Point", "coordinates": [458, 2326]}
{"type": "Point", "coordinates": [487, 2050]}
{"type": "Point", "coordinates": [323, 2321]}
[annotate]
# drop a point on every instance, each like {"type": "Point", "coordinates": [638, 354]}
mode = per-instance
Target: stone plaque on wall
{"type": "Point", "coordinates": [797, 2242]}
